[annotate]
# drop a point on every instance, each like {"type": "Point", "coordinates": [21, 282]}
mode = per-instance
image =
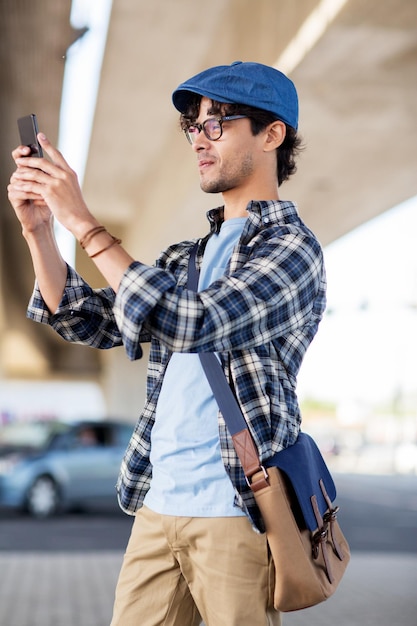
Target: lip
{"type": "Point", "coordinates": [205, 162]}
{"type": "Point", "coordinates": [204, 165]}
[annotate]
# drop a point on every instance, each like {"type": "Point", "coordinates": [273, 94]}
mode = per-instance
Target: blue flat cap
{"type": "Point", "coordinates": [252, 84]}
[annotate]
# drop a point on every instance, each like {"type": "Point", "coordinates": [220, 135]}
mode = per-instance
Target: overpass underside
{"type": "Point", "coordinates": [357, 87]}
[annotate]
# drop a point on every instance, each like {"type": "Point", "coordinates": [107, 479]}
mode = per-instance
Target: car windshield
{"type": "Point", "coordinates": [33, 435]}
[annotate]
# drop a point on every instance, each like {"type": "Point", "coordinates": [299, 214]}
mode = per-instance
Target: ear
{"type": "Point", "coordinates": [275, 135]}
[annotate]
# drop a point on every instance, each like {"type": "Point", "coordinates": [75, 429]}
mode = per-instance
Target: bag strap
{"type": "Point", "coordinates": [255, 473]}
{"type": "Point", "coordinates": [228, 405]}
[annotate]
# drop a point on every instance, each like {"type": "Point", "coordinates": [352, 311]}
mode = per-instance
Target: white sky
{"type": "Point", "coordinates": [366, 346]}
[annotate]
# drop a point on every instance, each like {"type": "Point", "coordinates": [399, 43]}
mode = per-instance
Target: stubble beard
{"type": "Point", "coordinates": [230, 176]}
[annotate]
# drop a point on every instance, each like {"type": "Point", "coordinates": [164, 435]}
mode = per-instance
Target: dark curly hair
{"type": "Point", "coordinates": [259, 119]}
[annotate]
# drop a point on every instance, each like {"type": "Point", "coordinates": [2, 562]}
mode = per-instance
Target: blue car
{"type": "Point", "coordinates": [51, 466]}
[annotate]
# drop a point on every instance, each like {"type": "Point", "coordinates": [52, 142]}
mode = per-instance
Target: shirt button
{"type": "Point", "coordinates": [266, 220]}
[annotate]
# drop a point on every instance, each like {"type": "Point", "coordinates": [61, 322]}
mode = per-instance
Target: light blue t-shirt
{"type": "Point", "coordinates": [188, 475]}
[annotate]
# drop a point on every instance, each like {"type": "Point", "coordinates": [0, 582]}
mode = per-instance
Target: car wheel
{"type": "Point", "coordinates": [43, 497]}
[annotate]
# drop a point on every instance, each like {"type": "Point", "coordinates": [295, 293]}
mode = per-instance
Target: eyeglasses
{"type": "Point", "coordinates": [212, 127]}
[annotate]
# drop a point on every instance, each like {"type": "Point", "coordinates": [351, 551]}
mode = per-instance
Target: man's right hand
{"type": "Point", "coordinates": [30, 208]}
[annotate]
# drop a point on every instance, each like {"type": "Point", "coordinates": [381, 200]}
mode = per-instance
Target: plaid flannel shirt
{"type": "Point", "coordinates": [260, 317]}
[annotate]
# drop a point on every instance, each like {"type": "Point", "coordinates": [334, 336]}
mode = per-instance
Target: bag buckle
{"type": "Point", "coordinates": [258, 480]}
{"type": "Point", "coordinates": [319, 538]}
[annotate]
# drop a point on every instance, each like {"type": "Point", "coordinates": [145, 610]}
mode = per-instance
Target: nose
{"type": "Point", "coordinates": [200, 142]}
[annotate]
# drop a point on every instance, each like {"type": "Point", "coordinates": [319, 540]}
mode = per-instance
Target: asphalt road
{"type": "Point", "coordinates": [377, 514]}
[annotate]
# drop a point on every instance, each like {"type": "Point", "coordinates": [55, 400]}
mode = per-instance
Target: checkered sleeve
{"type": "Point", "coordinates": [271, 294]}
{"type": "Point", "coordinates": [84, 315]}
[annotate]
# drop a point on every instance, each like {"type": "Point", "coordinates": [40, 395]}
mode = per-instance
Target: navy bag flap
{"type": "Point", "coordinates": [304, 466]}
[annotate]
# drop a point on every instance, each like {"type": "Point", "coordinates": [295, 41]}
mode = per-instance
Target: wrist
{"type": "Point", "coordinates": [84, 228]}
{"type": "Point", "coordinates": [41, 230]}
{"type": "Point", "coordinates": [97, 240]}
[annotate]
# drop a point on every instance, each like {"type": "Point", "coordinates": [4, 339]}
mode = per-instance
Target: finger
{"type": "Point", "coordinates": [29, 167]}
{"type": "Point", "coordinates": [28, 181]}
{"type": "Point", "coordinates": [16, 193]}
{"type": "Point", "coordinates": [20, 151]}
{"type": "Point", "coordinates": [51, 166]}
{"type": "Point", "coordinates": [24, 173]}
{"type": "Point", "coordinates": [52, 152]}
{"type": "Point", "coordinates": [23, 191]}
{"type": "Point", "coordinates": [39, 202]}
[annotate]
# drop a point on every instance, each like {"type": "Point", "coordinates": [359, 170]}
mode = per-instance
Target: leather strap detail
{"type": "Point", "coordinates": [260, 480]}
{"type": "Point", "coordinates": [316, 510]}
{"type": "Point", "coordinates": [247, 452]}
{"type": "Point", "coordinates": [330, 517]}
{"type": "Point", "coordinates": [319, 539]}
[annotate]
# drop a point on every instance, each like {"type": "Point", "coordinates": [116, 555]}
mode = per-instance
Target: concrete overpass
{"type": "Point", "coordinates": [357, 83]}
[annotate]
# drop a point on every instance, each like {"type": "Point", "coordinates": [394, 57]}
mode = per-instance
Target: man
{"type": "Point", "coordinates": [195, 550]}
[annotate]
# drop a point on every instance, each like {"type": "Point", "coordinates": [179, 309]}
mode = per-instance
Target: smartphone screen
{"type": "Point", "coordinates": [28, 129]}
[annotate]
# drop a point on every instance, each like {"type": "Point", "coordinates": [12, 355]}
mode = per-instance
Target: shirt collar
{"type": "Point", "coordinates": [268, 211]}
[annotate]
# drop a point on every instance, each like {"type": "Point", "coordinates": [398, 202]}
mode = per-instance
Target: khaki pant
{"type": "Point", "coordinates": [179, 570]}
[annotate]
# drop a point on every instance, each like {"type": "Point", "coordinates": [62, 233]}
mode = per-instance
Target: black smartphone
{"type": "Point", "coordinates": [28, 129]}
